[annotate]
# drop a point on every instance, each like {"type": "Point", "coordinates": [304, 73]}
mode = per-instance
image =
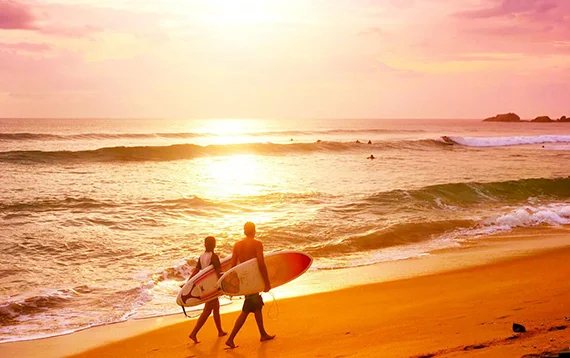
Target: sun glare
{"type": "Point", "coordinates": [225, 127]}
{"type": "Point", "coordinates": [242, 11]}
{"type": "Point", "coordinates": [230, 131]}
{"type": "Point", "coordinates": [236, 175]}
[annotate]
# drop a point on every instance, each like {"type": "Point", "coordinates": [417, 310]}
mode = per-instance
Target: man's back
{"type": "Point", "coordinates": [247, 249]}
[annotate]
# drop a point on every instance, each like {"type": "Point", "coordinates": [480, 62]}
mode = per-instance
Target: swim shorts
{"type": "Point", "coordinates": [252, 303]}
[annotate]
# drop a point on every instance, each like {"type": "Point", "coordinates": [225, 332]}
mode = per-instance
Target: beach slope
{"type": "Point", "coordinates": [467, 312]}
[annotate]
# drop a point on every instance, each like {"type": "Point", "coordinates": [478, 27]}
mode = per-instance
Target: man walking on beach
{"type": "Point", "coordinates": [244, 250]}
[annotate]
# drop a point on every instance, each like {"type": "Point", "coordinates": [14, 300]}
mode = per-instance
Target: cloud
{"type": "Point", "coordinates": [521, 12]}
{"type": "Point", "coordinates": [531, 27]}
{"type": "Point", "coordinates": [25, 46]}
{"type": "Point", "coordinates": [71, 31]}
{"type": "Point", "coordinates": [510, 7]}
{"type": "Point", "coordinates": [15, 16]}
{"type": "Point", "coordinates": [75, 21]}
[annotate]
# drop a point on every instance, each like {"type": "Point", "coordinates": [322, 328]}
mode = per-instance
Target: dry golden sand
{"type": "Point", "coordinates": [463, 313]}
{"type": "Point", "coordinates": [466, 312]}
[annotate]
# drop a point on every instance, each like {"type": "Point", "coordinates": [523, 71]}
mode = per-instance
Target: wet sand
{"type": "Point", "coordinates": [465, 312]}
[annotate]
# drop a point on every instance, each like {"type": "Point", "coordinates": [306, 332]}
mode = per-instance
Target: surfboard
{"type": "Point", "coordinates": [447, 140]}
{"type": "Point", "coordinates": [282, 267]}
{"type": "Point", "coordinates": [203, 287]}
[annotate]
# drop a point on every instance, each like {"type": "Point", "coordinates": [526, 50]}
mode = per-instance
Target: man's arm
{"type": "Point", "coordinates": [234, 255]}
{"type": "Point", "coordinates": [262, 267]}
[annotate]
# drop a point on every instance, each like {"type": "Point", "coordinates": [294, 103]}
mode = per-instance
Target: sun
{"type": "Point", "coordinates": [241, 11]}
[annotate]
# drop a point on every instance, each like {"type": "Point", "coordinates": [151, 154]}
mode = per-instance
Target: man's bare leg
{"type": "Point", "coordinates": [259, 319]}
{"type": "Point", "coordinates": [237, 326]}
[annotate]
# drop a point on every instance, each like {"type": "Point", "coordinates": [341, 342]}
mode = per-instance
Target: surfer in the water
{"type": "Point", "coordinates": [371, 156]}
{"type": "Point", "coordinates": [206, 259]}
{"type": "Point", "coordinates": [244, 250]}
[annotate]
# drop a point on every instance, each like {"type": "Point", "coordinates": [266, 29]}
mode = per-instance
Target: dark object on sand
{"type": "Point", "coordinates": [519, 328]}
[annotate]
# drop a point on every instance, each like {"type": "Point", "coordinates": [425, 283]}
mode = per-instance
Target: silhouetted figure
{"type": "Point", "coordinates": [369, 142]}
{"type": "Point", "coordinates": [357, 141]}
{"type": "Point", "coordinates": [206, 259]}
{"type": "Point", "coordinates": [244, 250]}
{"type": "Point", "coordinates": [318, 140]}
{"type": "Point", "coordinates": [371, 156]}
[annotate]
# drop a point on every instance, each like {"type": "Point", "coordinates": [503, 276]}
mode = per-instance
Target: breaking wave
{"type": "Point", "coordinates": [190, 151]}
{"type": "Point", "coordinates": [505, 141]}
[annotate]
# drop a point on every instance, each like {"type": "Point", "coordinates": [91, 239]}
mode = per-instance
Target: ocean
{"type": "Point", "coordinates": [101, 220]}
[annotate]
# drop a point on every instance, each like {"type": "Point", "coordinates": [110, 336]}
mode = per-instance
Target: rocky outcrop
{"type": "Point", "coordinates": [512, 117]}
{"type": "Point", "coordinates": [542, 119]}
{"type": "Point", "coordinates": [507, 117]}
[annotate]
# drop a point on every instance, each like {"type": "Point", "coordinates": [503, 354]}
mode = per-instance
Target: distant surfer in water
{"type": "Point", "coordinates": [206, 259]}
{"type": "Point", "coordinates": [372, 157]}
{"type": "Point", "coordinates": [244, 250]}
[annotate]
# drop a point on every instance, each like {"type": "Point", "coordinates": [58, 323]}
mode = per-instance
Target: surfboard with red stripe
{"type": "Point", "coordinates": [282, 267]}
{"type": "Point", "coordinates": [203, 287]}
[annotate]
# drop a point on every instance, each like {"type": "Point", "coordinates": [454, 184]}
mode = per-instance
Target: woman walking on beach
{"type": "Point", "coordinates": [206, 259]}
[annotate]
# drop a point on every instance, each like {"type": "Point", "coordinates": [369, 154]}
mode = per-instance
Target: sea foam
{"type": "Point", "coordinates": [508, 141]}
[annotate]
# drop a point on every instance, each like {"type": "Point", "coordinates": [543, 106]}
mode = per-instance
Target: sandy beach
{"type": "Point", "coordinates": [466, 312]}
{"type": "Point", "coordinates": [414, 149]}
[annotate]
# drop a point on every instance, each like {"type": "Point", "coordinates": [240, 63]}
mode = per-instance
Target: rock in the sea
{"type": "Point", "coordinates": [542, 119]}
{"type": "Point", "coordinates": [519, 328]}
{"type": "Point", "coordinates": [507, 117]}
{"type": "Point", "coordinates": [564, 119]}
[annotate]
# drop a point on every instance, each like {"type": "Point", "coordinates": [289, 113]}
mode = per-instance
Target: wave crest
{"type": "Point", "coordinates": [505, 141]}
{"type": "Point", "coordinates": [190, 151]}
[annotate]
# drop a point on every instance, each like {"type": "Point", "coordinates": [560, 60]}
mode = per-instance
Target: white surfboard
{"type": "Point", "coordinates": [282, 267]}
{"type": "Point", "coordinates": [203, 287]}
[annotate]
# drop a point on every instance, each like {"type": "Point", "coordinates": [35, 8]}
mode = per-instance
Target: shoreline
{"type": "Point", "coordinates": [475, 255]}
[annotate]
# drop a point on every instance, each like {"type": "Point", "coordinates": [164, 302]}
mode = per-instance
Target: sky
{"type": "Point", "coordinates": [284, 58]}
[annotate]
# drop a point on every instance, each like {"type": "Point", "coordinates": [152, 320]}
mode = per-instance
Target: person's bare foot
{"type": "Point", "coordinates": [222, 333]}
{"type": "Point", "coordinates": [230, 344]}
{"type": "Point", "coordinates": [267, 337]}
{"type": "Point", "coordinates": [194, 338]}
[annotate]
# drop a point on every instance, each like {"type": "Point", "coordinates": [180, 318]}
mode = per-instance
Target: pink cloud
{"type": "Point", "coordinates": [75, 21]}
{"type": "Point", "coordinates": [510, 7]}
{"type": "Point", "coordinates": [71, 31]}
{"type": "Point", "coordinates": [521, 11]}
{"type": "Point", "coordinates": [531, 27]}
{"type": "Point", "coordinates": [84, 20]}
{"type": "Point", "coordinates": [15, 16]}
{"type": "Point", "coordinates": [24, 73]}
{"type": "Point", "coordinates": [25, 46]}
